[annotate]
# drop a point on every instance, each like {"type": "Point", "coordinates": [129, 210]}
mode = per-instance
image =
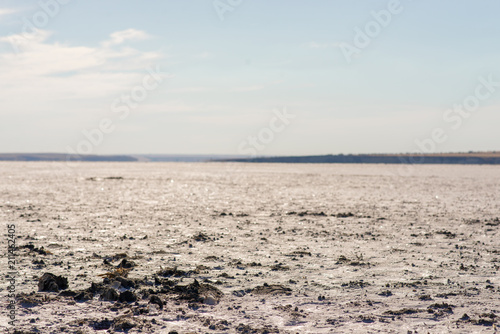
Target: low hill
{"type": "Point", "coordinates": [62, 157]}
{"type": "Point", "coordinates": [471, 158]}
{"type": "Point", "coordinates": [117, 158]}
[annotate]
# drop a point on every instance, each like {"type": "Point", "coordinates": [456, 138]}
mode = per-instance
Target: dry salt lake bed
{"type": "Point", "coordinates": [252, 248]}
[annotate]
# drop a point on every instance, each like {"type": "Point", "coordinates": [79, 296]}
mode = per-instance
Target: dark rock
{"type": "Point", "coordinates": [442, 306]}
{"type": "Point", "coordinates": [67, 293]}
{"type": "Point", "coordinates": [299, 253]}
{"type": "Point", "coordinates": [484, 322]}
{"type": "Point", "coordinates": [126, 264]}
{"type": "Point", "coordinates": [272, 289]}
{"type": "Point", "coordinates": [425, 297]}
{"type": "Point", "coordinates": [97, 288]}
{"type": "Point", "coordinates": [109, 295]}
{"type": "Point", "coordinates": [201, 237]}
{"type": "Point", "coordinates": [123, 325]}
{"type": "Point", "coordinates": [196, 292]}
{"type": "Point", "coordinates": [403, 311]}
{"type": "Point", "coordinates": [173, 272]}
{"type": "Point", "coordinates": [385, 293]}
{"type": "Point", "coordinates": [279, 267]}
{"type": "Point", "coordinates": [239, 293]}
{"type": "Point", "coordinates": [101, 325]}
{"type": "Point", "coordinates": [32, 248]}
{"type": "Point", "coordinates": [39, 263]}
{"type": "Point", "coordinates": [246, 329]}
{"type": "Point", "coordinates": [156, 300]}
{"type": "Point", "coordinates": [52, 283]}
{"type": "Point", "coordinates": [126, 283]}
{"type": "Point", "coordinates": [355, 284]}
{"type": "Point", "coordinates": [366, 319]}
{"type": "Point", "coordinates": [83, 296]}
{"type": "Point", "coordinates": [127, 296]}
{"type": "Point", "coordinates": [344, 215]}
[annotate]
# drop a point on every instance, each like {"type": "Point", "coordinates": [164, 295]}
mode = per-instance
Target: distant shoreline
{"type": "Point", "coordinates": [71, 158]}
{"type": "Point", "coordinates": [471, 158]}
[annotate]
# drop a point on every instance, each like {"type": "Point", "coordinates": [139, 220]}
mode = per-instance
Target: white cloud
{"type": "Point", "coordinates": [44, 73]}
{"type": "Point", "coordinates": [120, 37]}
{"type": "Point", "coordinates": [7, 11]}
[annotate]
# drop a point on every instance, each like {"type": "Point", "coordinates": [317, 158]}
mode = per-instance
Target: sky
{"type": "Point", "coordinates": [251, 77]}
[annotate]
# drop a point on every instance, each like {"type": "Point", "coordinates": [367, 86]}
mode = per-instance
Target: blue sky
{"type": "Point", "coordinates": [227, 68]}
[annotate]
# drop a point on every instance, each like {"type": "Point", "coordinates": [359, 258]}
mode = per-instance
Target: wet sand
{"type": "Point", "coordinates": [253, 248]}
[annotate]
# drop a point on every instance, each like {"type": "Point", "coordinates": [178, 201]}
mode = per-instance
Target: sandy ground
{"type": "Point", "coordinates": [253, 248]}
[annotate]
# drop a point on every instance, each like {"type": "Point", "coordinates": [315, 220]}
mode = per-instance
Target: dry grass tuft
{"type": "Point", "coordinates": [122, 272]}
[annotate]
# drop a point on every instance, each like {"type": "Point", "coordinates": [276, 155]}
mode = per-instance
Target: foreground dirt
{"type": "Point", "coordinates": [242, 248]}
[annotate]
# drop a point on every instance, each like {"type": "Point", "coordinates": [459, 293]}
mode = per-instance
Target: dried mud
{"type": "Point", "coordinates": [242, 248]}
